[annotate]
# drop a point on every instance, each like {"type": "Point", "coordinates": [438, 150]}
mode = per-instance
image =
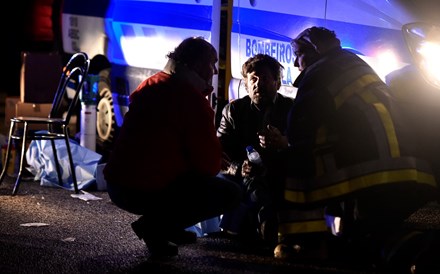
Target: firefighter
{"type": "Point", "coordinates": [353, 167]}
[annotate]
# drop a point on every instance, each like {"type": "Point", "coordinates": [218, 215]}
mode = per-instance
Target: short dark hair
{"type": "Point", "coordinates": [263, 60]}
{"type": "Point", "coordinates": [191, 50]}
{"type": "Point", "coordinates": [318, 38]}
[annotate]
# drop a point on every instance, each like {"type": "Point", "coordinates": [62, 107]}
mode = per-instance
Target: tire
{"type": "Point", "coordinates": [106, 126]}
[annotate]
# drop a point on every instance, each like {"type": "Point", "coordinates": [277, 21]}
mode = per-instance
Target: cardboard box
{"type": "Point", "coordinates": [33, 110]}
{"type": "Point", "coordinates": [39, 76]}
{"type": "Point", "coordinates": [10, 111]}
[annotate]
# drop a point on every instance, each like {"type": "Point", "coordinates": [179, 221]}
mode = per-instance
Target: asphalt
{"type": "Point", "coordinates": [46, 230]}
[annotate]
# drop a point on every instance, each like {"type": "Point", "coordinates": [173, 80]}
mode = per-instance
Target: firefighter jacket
{"type": "Point", "coordinates": [346, 138]}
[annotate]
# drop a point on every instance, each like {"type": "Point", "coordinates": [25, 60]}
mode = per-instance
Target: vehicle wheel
{"type": "Point", "coordinates": [105, 120]}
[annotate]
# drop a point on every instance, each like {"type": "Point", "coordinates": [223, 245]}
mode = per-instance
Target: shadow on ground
{"type": "Point", "coordinates": [78, 236]}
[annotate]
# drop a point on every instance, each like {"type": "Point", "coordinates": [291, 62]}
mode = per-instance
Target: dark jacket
{"type": "Point", "coordinates": [241, 122]}
{"type": "Point", "coordinates": [347, 140]}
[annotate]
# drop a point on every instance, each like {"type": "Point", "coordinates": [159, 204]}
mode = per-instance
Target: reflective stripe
{"type": "Point", "coordinates": [295, 196]}
{"type": "Point", "coordinates": [360, 88]}
{"type": "Point", "coordinates": [362, 182]}
{"type": "Point", "coordinates": [302, 227]}
{"type": "Point", "coordinates": [354, 87]}
{"type": "Point", "coordinates": [360, 93]}
{"type": "Point", "coordinates": [295, 220]}
{"type": "Point", "coordinates": [387, 122]}
{"type": "Point", "coordinates": [389, 129]}
{"type": "Point", "coordinates": [361, 169]}
{"type": "Point", "coordinates": [386, 140]}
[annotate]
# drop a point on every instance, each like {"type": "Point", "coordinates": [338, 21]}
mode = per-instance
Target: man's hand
{"type": "Point", "coordinates": [272, 138]}
{"type": "Point", "coordinates": [246, 168]}
{"type": "Point", "coordinates": [228, 167]}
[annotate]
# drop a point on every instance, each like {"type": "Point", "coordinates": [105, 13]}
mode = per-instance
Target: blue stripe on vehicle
{"type": "Point", "coordinates": [141, 12]}
{"type": "Point", "coordinates": [164, 14]}
{"type": "Point", "coordinates": [284, 27]}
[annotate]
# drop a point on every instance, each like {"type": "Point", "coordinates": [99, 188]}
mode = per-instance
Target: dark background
{"type": "Point", "coordinates": [27, 26]}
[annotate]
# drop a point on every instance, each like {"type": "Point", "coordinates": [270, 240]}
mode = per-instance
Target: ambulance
{"type": "Point", "coordinates": [128, 40]}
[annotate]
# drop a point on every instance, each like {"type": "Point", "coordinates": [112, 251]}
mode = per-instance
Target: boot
{"type": "Point", "coordinates": [158, 246]}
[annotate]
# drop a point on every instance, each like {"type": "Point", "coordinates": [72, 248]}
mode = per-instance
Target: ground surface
{"type": "Point", "coordinates": [95, 237]}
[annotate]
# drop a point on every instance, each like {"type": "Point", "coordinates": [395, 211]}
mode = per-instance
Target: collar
{"type": "Point", "coordinates": [322, 59]}
{"type": "Point", "coordinates": [265, 107]}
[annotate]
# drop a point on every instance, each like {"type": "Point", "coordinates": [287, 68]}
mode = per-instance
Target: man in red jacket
{"type": "Point", "coordinates": [167, 155]}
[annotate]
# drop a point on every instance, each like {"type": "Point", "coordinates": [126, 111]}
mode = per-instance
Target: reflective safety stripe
{"type": "Point", "coordinates": [358, 93]}
{"type": "Point", "coordinates": [389, 129]}
{"type": "Point", "coordinates": [302, 227]}
{"type": "Point", "coordinates": [358, 183]}
{"type": "Point", "coordinates": [358, 87]}
{"type": "Point", "coordinates": [355, 87]}
{"type": "Point", "coordinates": [324, 186]}
{"type": "Point", "coordinates": [387, 122]}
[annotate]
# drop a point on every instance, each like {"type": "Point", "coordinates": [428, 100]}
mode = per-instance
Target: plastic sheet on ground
{"type": "Point", "coordinates": [205, 227]}
{"type": "Point", "coordinates": [85, 196]}
{"type": "Point", "coordinates": [41, 163]}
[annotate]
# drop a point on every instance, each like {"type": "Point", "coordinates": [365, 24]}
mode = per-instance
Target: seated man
{"type": "Point", "coordinates": [258, 120]}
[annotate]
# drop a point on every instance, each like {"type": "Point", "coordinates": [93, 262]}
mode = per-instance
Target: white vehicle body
{"type": "Point", "coordinates": [135, 36]}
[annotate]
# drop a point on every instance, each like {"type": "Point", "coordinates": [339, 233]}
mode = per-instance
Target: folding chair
{"type": "Point", "coordinates": [72, 79]}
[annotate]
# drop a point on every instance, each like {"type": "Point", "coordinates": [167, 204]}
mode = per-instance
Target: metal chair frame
{"type": "Point", "coordinates": [73, 76]}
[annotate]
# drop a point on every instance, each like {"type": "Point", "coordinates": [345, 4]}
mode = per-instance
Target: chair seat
{"type": "Point", "coordinates": [73, 77]}
{"type": "Point", "coordinates": [42, 135]}
{"type": "Point", "coordinates": [40, 120]}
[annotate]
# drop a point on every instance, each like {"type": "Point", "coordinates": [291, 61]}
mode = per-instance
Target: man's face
{"type": "Point", "coordinates": [305, 55]}
{"type": "Point", "coordinates": [207, 68]}
{"type": "Point", "coordinates": [262, 86]}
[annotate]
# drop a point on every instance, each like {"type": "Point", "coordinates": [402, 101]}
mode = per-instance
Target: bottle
{"type": "Point", "coordinates": [89, 101]}
{"type": "Point", "coordinates": [253, 155]}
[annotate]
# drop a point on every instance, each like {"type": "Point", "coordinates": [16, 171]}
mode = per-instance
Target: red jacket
{"type": "Point", "coordinates": [168, 131]}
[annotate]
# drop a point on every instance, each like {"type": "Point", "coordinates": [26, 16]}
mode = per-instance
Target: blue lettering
{"type": "Point", "coordinates": [260, 48]}
{"type": "Point", "coordinates": [289, 76]}
{"type": "Point", "coordinates": [280, 51]}
{"type": "Point", "coordinates": [281, 54]}
{"type": "Point", "coordinates": [248, 47]}
{"type": "Point", "coordinates": [266, 48]}
{"type": "Point", "coordinates": [288, 54]}
{"type": "Point", "coordinates": [274, 50]}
